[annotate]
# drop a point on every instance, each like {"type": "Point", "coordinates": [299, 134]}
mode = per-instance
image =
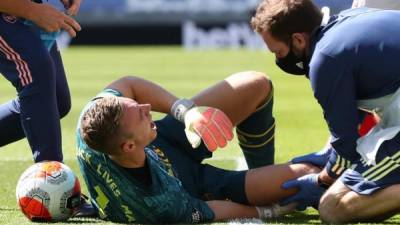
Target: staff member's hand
{"type": "Point", "coordinates": [318, 159]}
{"type": "Point", "coordinates": [51, 20]}
{"type": "Point", "coordinates": [72, 6]}
{"type": "Point", "coordinates": [309, 191]}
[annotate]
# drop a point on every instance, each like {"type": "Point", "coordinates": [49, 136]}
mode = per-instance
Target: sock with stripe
{"type": "Point", "coordinates": [256, 136]}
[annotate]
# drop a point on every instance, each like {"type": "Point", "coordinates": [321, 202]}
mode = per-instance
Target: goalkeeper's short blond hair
{"type": "Point", "coordinates": [100, 124]}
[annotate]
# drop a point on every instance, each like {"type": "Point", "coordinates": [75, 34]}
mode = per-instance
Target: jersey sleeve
{"type": "Point", "coordinates": [333, 84]}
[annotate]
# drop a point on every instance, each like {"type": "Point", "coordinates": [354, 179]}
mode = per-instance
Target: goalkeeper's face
{"type": "Point", "coordinates": [136, 123]}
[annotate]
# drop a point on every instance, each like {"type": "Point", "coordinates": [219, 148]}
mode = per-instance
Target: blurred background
{"type": "Point", "coordinates": [185, 46]}
{"type": "Point", "coordinates": [193, 24]}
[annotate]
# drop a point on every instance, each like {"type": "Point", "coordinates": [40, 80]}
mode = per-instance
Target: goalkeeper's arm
{"type": "Point", "coordinates": [206, 123]}
{"type": "Point", "coordinates": [144, 91]}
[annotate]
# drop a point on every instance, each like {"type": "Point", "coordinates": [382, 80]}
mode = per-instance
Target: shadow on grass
{"type": "Point", "coordinates": [307, 218]}
{"type": "Point", "coordinates": [83, 221]}
{"type": "Point", "coordinates": [300, 218]}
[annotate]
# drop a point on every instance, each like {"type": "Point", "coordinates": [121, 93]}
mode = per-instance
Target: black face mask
{"type": "Point", "coordinates": [292, 64]}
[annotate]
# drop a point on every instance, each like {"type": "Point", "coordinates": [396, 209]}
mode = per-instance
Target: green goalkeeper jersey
{"type": "Point", "coordinates": [119, 197]}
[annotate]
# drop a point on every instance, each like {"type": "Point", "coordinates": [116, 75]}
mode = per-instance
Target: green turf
{"type": "Point", "coordinates": [300, 127]}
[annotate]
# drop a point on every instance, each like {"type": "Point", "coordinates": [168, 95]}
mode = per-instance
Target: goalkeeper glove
{"type": "Point", "coordinates": [203, 123]}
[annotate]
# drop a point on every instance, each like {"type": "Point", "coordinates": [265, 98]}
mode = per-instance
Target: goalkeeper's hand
{"type": "Point", "coordinates": [208, 124]}
{"type": "Point", "coordinates": [203, 123]}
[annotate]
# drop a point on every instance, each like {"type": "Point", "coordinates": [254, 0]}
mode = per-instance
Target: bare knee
{"type": "Point", "coordinates": [328, 209]}
{"type": "Point", "coordinates": [339, 205]}
{"type": "Point", "coordinates": [301, 169]}
{"type": "Point", "coordinates": [342, 205]}
{"type": "Point", "coordinates": [258, 82]}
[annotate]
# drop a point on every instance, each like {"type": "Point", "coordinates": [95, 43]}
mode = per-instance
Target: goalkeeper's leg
{"type": "Point", "coordinates": [247, 99]}
{"type": "Point", "coordinates": [256, 136]}
{"type": "Point", "coordinates": [11, 128]}
{"type": "Point", "coordinates": [238, 96]}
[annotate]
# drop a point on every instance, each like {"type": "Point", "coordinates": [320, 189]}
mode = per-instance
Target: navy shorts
{"type": "Point", "coordinates": [366, 179]}
{"type": "Point", "coordinates": [200, 180]}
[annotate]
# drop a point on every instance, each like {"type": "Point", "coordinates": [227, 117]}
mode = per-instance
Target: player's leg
{"type": "Point", "coordinates": [366, 192]}
{"type": "Point", "coordinates": [239, 95]}
{"type": "Point", "coordinates": [256, 135]}
{"type": "Point", "coordinates": [247, 99]}
{"type": "Point", "coordinates": [342, 205]}
{"type": "Point", "coordinates": [225, 210]}
{"type": "Point", "coordinates": [261, 186]}
{"type": "Point", "coordinates": [62, 88]}
{"type": "Point", "coordinates": [10, 122]}
{"type": "Point", "coordinates": [27, 64]}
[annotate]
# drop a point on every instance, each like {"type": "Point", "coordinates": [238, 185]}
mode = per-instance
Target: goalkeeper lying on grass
{"type": "Point", "coordinates": [137, 170]}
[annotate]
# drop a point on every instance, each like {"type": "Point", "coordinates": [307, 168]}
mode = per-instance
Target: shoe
{"type": "Point", "coordinates": [85, 209]}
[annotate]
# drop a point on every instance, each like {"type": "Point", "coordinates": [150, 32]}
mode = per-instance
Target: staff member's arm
{"type": "Point", "coordinates": [43, 15]}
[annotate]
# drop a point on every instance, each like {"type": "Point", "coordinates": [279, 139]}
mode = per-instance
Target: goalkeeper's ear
{"type": "Point", "coordinates": [127, 146]}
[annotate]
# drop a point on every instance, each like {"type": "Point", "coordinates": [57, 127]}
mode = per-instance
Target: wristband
{"type": "Point", "coordinates": [180, 107]}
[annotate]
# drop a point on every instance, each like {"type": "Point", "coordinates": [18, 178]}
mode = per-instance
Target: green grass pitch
{"type": "Point", "coordinates": [299, 124]}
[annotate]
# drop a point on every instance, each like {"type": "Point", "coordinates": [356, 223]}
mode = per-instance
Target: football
{"type": "Point", "coordinates": [48, 192]}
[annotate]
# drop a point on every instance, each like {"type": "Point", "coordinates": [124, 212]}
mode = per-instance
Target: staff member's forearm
{"type": "Point", "coordinates": [20, 8]}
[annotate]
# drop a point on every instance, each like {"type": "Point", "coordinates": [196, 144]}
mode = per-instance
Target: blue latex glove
{"type": "Point", "coordinates": [309, 191]}
{"type": "Point", "coordinates": [317, 158]}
